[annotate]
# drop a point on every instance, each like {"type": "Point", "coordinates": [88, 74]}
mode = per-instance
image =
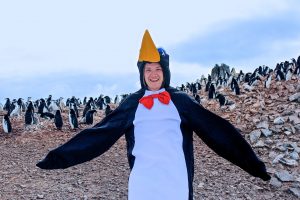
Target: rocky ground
{"type": "Point", "coordinates": [269, 119]}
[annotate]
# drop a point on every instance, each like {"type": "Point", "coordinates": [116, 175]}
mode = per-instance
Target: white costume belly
{"type": "Point", "coordinates": [159, 170]}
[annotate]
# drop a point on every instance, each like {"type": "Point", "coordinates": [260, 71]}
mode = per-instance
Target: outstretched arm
{"type": "Point", "coordinates": [89, 143]}
{"type": "Point", "coordinates": [222, 137]}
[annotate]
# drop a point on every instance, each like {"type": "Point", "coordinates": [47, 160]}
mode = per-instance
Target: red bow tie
{"type": "Point", "coordinates": [148, 101]}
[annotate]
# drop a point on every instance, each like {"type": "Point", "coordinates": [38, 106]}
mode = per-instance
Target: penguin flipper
{"type": "Point", "coordinates": [87, 144]}
{"type": "Point", "coordinates": [223, 138]}
{"type": "Point", "coordinates": [219, 134]}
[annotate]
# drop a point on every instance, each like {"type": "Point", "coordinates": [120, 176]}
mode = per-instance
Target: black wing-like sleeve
{"type": "Point", "coordinates": [91, 142]}
{"type": "Point", "coordinates": [221, 136]}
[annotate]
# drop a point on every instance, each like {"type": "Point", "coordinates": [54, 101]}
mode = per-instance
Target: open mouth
{"type": "Point", "coordinates": [154, 80]}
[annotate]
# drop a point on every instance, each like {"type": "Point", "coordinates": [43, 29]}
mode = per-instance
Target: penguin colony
{"type": "Point", "coordinates": [51, 109]}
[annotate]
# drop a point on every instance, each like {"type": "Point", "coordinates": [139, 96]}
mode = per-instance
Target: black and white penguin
{"type": "Point", "coordinates": [117, 100]}
{"type": "Point", "coordinates": [107, 110]}
{"type": "Point", "coordinates": [29, 119]}
{"type": "Point", "coordinates": [289, 74]}
{"type": "Point", "coordinates": [197, 98]}
{"type": "Point", "coordinates": [7, 104]}
{"type": "Point", "coordinates": [15, 109]}
{"type": "Point", "coordinates": [87, 108]}
{"type": "Point", "coordinates": [73, 117]}
{"type": "Point", "coordinates": [58, 121]}
{"type": "Point", "coordinates": [6, 124]}
{"type": "Point", "coordinates": [47, 115]}
{"type": "Point", "coordinates": [235, 87]}
{"type": "Point", "coordinates": [49, 99]}
{"type": "Point", "coordinates": [268, 81]}
{"type": "Point", "coordinates": [159, 140]}
{"type": "Point", "coordinates": [212, 91]}
{"type": "Point", "coordinates": [279, 75]}
{"type": "Point", "coordinates": [89, 117]}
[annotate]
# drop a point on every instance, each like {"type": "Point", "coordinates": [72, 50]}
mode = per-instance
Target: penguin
{"type": "Point", "coordinates": [279, 75]}
{"type": "Point", "coordinates": [49, 99]}
{"type": "Point", "coordinates": [268, 81]}
{"type": "Point", "coordinates": [247, 77]}
{"type": "Point", "coordinates": [159, 138]}
{"type": "Point", "coordinates": [107, 110]}
{"type": "Point", "coordinates": [289, 74]}
{"type": "Point", "coordinates": [6, 124]}
{"type": "Point", "coordinates": [58, 121]}
{"type": "Point", "coordinates": [116, 101]}
{"type": "Point", "coordinates": [197, 98]}
{"type": "Point", "coordinates": [47, 115]}
{"type": "Point", "coordinates": [29, 114]}
{"type": "Point", "coordinates": [86, 108]}
{"type": "Point", "coordinates": [42, 107]}
{"type": "Point", "coordinates": [211, 92]}
{"type": "Point", "coordinates": [236, 87]}
{"type": "Point", "coordinates": [207, 86]}
{"type": "Point", "coordinates": [222, 100]}
{"type": "Point", "coordinates": [73, 117]}
{"type": "Point", "coordinates": [297, 70]}
{"type": "Point", "coordinates": [107, 99]}
{"type": "Point", "coordinates": [89, 118]}
{"type": "Point", "coordinates": [7, 105]}
{"type": "Point", "coordinates": [84, 101]}
{"type": "Point", "coordinates": [15, 109]}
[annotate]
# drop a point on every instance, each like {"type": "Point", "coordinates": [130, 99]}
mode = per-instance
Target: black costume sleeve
{"type": "Point", "coordinates": [222, 137]}
{"type": "Point", "coordinates": [90, 142]}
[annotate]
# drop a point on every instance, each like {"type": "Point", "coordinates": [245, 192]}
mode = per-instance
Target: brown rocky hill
{"type": "Point", "coordinates": [269, 119]}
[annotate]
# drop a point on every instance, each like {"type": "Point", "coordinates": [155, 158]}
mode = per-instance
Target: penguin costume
{"type": "Point", "coordinates": [158, 126]}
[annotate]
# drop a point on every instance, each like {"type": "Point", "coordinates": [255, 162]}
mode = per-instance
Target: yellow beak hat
{"type": "Point", "coordinates": [149, 53]}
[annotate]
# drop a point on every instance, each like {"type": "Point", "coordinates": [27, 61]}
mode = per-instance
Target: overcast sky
{"type": "Point", "coordinates": [88, 48]}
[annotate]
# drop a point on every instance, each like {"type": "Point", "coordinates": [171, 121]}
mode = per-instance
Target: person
{"type": "Point", "coordinates": [158, 122]}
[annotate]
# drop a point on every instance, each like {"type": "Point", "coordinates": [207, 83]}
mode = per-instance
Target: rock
{"type": "Point", "coordinates": [263, 124]}
{"type": "Point", "coordinates": [277, 158]}
{"type": "Point", "coordinates": [288, 162]}
{"type": "Point", "coordinates": [40, 196]}
{"type": "Point", "coordinates": [266, 132]}
{"type": "Point", "coordinates": [284, 176]}
{"type": "Point", "coordinates": [201, 185]}
{"type": "Point", "coordinates": [220, 71]}
{"type": "Point", "coordinates": [272, 154]}
{"type": "Point", "coordinates": [254, 136]}
{"type": "Point", "coordinates": [294, 155]}
{"type": "Point", "coordinates": [294, 119]}
{"type": "Point", "coordinates": [287, 112]}
{"type": "Point", "coordinates": [297, 127]}
{"type": "Point", "coordinates": [287, 132]}
{"type": "Point", "coordinates": [259, 144]}
{"type": "Point", "coordinates": [275, 182]}
{"type": "Point", "coordinates": [294, 146]}
{"type": "Point", "coordinates": [279, 121]}
{"type": "Point", "coordinates": [294, 97]}
{"type": "Point", "coordinates": [295, 191]}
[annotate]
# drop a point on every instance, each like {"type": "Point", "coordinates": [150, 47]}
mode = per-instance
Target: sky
{"type": "Point", "coordinates": [87, 48]}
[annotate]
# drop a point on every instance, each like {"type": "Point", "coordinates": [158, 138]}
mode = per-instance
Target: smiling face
{"type": "Point", "coordinates": [153, 76]}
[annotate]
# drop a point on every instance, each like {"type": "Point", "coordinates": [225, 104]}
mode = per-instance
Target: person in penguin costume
{"type": "Point", "coordinates": [158, 122]}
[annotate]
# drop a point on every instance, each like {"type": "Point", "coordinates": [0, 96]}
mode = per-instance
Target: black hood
{"type": "Point", "coordinates": [164, 62]}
